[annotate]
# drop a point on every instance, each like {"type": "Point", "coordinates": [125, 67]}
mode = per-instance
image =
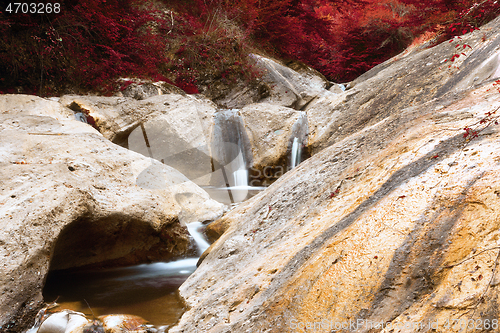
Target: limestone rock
{"type": "Point", "coordinates": [271, 130]}
{"type": "Point", "coordinates": [117, 117]}
{"type": "Point", "coordinates": [144, 89]}
{"type": "Point", "coordinates": [292, 86]}
{"type": "Point", "coordinates": [69, 198]}
{"type": "Point", "coordinates": [178, 136]}
{"type": "Point", "coordinates": [393, 221]}
{"type": "Point", "coordinates": [289, 87]}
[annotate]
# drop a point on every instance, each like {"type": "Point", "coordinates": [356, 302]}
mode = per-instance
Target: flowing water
{"type": "Point", "coordinates": [298, 141]}
{"type": "Point", "coordinates": [148, 290]}
{"type": "Point", "coordinates": [296, 153]}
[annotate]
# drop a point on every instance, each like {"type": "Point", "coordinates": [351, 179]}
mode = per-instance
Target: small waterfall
{"type": "Point", "coordinates": [240, 173]}
{"type": "Point", "coordinates": [296, 153]}
{"type": "Point", "coordinates": [230, 157]}
{"type": "Point", "coordinates": [194, 230]}
{"type": "Point", "coordinates": [300, 131]}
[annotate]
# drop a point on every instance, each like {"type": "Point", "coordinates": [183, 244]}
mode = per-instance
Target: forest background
{"type": "Point", "coordinates": [91, 45]}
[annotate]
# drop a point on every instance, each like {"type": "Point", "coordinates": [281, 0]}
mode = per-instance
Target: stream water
{"type": "Point", "coordinates": [148, 290]}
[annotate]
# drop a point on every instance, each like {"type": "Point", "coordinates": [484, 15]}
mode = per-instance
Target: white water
{"type": "Point", "coordinates": [240, 178]}
{"type": "Point", "coordinates": [159, 269]}
{"type": "Point", "coordinates": [194, 230]}
{"type": "Point", "coordinates": [295, 152]}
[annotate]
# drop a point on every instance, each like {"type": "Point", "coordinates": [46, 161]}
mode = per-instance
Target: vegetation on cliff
{"type": "Point", "coordinates": [87, 45]}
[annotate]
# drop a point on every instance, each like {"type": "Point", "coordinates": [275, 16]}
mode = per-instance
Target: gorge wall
{"type": "Point", "coordinates": [393, 220]}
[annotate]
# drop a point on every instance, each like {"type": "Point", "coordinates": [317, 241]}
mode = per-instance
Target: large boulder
{"type": "Point", "coordinates": [393, 222]}
{"type": "Point", "coordinates": [292, 86]}
{"type": "Point", "coordinates": [71, 198]}
{"type": "Point", "coordinates": [271, 130]}
{"type": "Point", "coordinates": [141, 89]}
{"type": "Point", "coordinates": [117, 117]}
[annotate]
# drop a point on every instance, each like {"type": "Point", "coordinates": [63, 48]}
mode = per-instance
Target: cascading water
{"type": "Point", "coordinates": [296, 153]}
{"type": "Point", "coordinates": [298, 141]}
{"type": "Point", "coordinates": [194, 229]}
{"type": "Point", "coordinates": [230, 158]}
{"type": "Point", "coordinates": [147, 290]}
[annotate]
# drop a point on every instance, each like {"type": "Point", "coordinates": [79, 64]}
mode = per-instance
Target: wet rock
{"type": "Point", "coordinates": [71, 198]}
{"type": "Point", "coordinates": [124, 323]}
{"type": "Point", "coordinates": [393, 220]}
{"type": "Point", "coordinates": [64, 322]}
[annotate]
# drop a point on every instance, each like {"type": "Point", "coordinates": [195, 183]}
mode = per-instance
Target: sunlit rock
{"type": "Point", "coordinates": [124, 323]}
{"type": "Point", "coordinates": [71, 198]}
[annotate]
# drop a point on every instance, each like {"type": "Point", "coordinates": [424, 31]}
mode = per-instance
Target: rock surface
{"type": "Point", "coordinates": [289, 87]}
{"type": "Point", "coordinates": [139, 89]}
{"type": "Point", "coordinates": [393, 221]}
{"type": "Point", "coordinates": [270, 129]}
{"type": "Point", "coordinates": [292, 86]}
{"type": "Point", "coordinates": [70, 197]}
{"type": "Point", "coordinates": [117, 117]}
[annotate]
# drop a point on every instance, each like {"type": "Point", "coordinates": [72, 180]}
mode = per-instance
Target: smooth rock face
{"type": "Point", "coordinates": [174, 129]}
{"type": "Point", "coordinates": [270, 130]}
{"type": "Point", "coordinates": [289, 87]}
{"type": "Point", "coordinates": [293, 85]}
{"type": "Point", "coordinates": [70, 198]}
{"type": "Point", "coordinates": [117, 117]}
{"type": "Point", "coordinates": [394, 220]}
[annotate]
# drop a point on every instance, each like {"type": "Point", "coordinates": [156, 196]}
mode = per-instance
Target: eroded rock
{"type": "Point", "coordinates": [117, 117]}
{"type": "Point", "coordinates": [271, 130]}
{"type": "Point", "coordinates": [407, 80]}
{"type": "Point", "coordinates": [70, 198]}
{"type": "Point", "coordinates": [394, 220]}
{"type": "Point", "coordinates": [292, 86]}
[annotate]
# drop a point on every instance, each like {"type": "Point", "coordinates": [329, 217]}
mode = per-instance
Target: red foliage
{"type": "Point", "coordinates": [88, 44]}
{"type": "Point", "coordinates": [91, 43]}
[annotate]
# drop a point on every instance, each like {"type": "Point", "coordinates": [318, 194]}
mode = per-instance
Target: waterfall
{"type": "Point", "coordinates": [230, 157]}
{"type": "Point", "coordinates": [194, 230]}
{"type": "Point", "coordinates": [296, 153]}
{"type": "Point", "coordinates": [240, 173]}
{"type": "Point", "coordinates": [298, 142]}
